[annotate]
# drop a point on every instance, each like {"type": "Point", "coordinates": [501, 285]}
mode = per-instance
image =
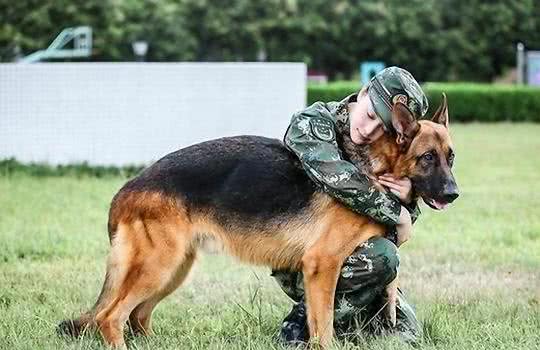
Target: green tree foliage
{"type": "Point", "coordinates": [486, 33]}
{"type": "Point", "coordinates": [30, 25]}
{"type": "Point", "coordinates": [434, 39]}
{"type": "Point", "coordinates": [163, 24]}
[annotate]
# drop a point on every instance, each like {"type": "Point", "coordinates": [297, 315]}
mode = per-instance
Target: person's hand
{"type": "Point", "coordinates": [403, 227]}
{"type": "Point", "coordinates": [402, 188]}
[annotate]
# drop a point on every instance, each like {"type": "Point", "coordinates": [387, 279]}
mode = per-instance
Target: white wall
{"type": "Point", "coordinates": [134, 113]}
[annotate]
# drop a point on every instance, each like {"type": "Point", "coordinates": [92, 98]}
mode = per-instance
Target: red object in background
{"type": "Point", "coordinates": [315, 76]}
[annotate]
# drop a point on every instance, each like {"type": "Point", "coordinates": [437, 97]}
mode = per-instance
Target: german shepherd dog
{"type": "Point", "coordinates": [251, 195]}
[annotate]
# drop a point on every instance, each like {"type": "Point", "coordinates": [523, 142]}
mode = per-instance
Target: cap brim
{"type": "Point", "coordinates": [381, 109]}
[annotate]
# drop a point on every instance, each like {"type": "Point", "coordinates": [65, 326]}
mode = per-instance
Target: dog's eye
{"type": "Point", "coordinates": [428, 156]}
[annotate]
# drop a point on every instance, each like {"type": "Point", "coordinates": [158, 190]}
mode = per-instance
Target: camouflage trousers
{"type": "Point", "coordinates": [360, 292]}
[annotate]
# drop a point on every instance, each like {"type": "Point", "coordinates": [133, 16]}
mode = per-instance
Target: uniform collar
{"type": "Point", "coordinates": [341, 112]}
{"type": "Point", "coordinates": [340, 109]}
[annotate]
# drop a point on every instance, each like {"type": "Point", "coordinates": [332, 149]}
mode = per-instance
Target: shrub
{"type": "Point", "coordinates": [487, 103]}
{"type": "Point", "coordinates": [10, 167]}
{"type": "Point", "coordinates": [332, 91]}
{"type": "Point", "coordinates": [467, 101]}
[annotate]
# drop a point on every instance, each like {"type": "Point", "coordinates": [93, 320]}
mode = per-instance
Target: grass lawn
{"type": "Point", "coordinates": [473, 272]}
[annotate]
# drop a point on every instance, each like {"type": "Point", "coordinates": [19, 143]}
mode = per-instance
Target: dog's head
{"type": "Point", "coordinates": [427, 155]}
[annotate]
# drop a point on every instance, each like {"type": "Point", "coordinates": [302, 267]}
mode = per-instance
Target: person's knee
{"type": "Point", "coordinates": [389, 259]}
{"type": "Point", "coordinates": [374, 263]}
{"type": "Point", "coordinates": [291, 282]}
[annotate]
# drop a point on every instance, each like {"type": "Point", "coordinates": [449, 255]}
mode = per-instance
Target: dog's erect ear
{"type": "Point", "coordinates": [441, 115]}
{"type": "Point", "coordinates": [405, 125]}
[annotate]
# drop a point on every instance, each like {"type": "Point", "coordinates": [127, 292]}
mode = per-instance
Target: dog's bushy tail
{"type": "Point", "coordinates": [76, 327]}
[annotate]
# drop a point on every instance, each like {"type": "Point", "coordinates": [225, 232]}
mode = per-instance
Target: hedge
{"type": "Point", "coordinates": [467, 101]}
{"type": "Point", "coordinates": [12, 167]}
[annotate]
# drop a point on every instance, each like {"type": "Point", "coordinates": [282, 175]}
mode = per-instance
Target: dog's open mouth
{"type": "Point", "coordinates": [437, 205]}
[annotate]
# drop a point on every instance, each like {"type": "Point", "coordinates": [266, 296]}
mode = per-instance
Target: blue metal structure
{"type": "Point", "coordinates": [82, 45]}
{"type": "Point", "coordinates": [368, 69]}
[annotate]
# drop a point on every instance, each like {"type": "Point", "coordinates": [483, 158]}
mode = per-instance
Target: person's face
{"type": "Point", "coordinates": [366, 126]}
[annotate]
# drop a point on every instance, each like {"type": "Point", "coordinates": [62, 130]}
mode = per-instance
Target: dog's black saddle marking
{"type": "Point", "coordinates": [247, 178]}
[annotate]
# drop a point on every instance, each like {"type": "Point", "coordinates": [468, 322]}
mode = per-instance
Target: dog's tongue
{"type": "Point", "coordinates": [439, 205]}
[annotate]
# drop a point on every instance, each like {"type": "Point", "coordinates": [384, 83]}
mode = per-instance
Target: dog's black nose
{"type": "Point", "coordinates": [450, 191]}
{"type": "Point", "coordinates": [450, 197]}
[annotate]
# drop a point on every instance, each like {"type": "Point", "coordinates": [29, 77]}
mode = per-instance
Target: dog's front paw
{"type": "Point", "coordinates": [390, 312]}
{"type": "Point", "coordinates": [391, 302]}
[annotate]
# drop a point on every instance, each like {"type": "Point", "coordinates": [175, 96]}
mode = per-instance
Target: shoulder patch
{"type": "Point", "coordinates": [323, 129]}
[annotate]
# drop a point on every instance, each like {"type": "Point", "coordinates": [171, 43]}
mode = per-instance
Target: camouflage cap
{"type": "Point", "coordinates": [395, 84]}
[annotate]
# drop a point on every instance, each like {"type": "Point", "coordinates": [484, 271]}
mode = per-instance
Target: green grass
{"type": "Point", "coordinates": [472, 272]}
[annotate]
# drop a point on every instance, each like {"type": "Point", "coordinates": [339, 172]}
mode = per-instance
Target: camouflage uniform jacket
{"type": "Point", "coordinates": [312, 137]}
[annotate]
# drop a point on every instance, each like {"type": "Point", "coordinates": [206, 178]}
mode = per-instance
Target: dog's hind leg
{"type": "Point", "coordinates": [140, 318]}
